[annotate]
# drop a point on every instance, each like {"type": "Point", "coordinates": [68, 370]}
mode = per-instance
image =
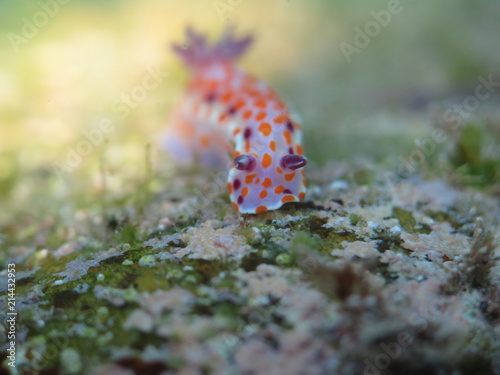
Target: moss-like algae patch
{"type": "Point", "coordinates": [335, 270]}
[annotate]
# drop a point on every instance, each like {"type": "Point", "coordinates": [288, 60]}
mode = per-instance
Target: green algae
{"type": "Point", "coordinates": [472, 165]}
{"type": "Point", "coordinates": [406, 219]}
{"type": "Point", "coordinates": [100, 323]}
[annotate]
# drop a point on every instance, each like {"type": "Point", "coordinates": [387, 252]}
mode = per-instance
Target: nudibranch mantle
{"type": "Point", "coordinates": [229, 118]}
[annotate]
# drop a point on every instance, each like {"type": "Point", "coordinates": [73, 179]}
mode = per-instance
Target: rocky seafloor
{"type": "Point", "coordinates": [369, 275]}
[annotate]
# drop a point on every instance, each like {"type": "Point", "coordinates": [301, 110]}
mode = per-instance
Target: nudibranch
{"type": "Point", "coordinates": [231, 119]}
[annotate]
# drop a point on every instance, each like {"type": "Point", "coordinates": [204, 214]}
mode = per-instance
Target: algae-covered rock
{"type": "Point", "coordinates": [308, 288]}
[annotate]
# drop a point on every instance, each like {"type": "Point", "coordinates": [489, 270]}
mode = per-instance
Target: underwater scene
{"type": "Point", "coordinates": [250, 187]}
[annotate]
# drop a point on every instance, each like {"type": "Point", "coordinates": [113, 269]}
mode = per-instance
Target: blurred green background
{"type": "Point", "coordinates": [66, 75]}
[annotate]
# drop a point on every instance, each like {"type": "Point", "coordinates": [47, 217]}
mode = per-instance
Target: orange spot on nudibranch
{"type": "Point", "coordinates": [212, 85]}
{"type": "Point", "coordinates": [261, 103]}
{"type": "Point", "coordinates": [205, 141]}
{"type": "Point", "coordinates": [240, 104]}
{"type": "Point", "coordinates": [236, 132]}
{"type": "Point", "coordinates": [288, 137]}
{"type": "Point", "coordinates": [279, 170]}
{"type": "Point", "coordinates": [279, 189]}
{"type": "Point", "coordinates": [287, 198]}
{"type": "Point", "coordinates": [230, 187]}
{"type": "Point", "coordinates": [257, 181]}
{"type": "Point", "coordinates": [299, 150]}
{"type": "Point", "coordinates": [252, 92]}
{"type": "Point", "coordinates": [263, 194]}
{"type": "Point", "coordinates": [260, 116]}
{"type": "Point", "coordinates": [260, 209]}
{"type": "Point", "coordinates": [267, 182]}
{"type": "Point", "coordinates": [272, 146]}
{"type": "Point", "coordinates": [280, 119]}
{"type": "Point", "coordinates": [249, 178]}
{"type": "Point", "coordinates": [244, 191]}
{"type": "Point", "coordinates": [265, 128]}
{"type": "Point", "coordinates": [226, 97]}
{"type": "Point", "coordinates": [223, 116]}
{"type": "Point", "coordinates": [235, 206]}
{"type": "Point", "coordinates": [289, 176]}
{"type": "Point", "coordinates": [247, 114]}
{"type": "Point", "coordinates": [266, 160]}
{"type": "Point", "coordinates": [247, 146]}
{"type": "Point", "coordinates": [302, 195]}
